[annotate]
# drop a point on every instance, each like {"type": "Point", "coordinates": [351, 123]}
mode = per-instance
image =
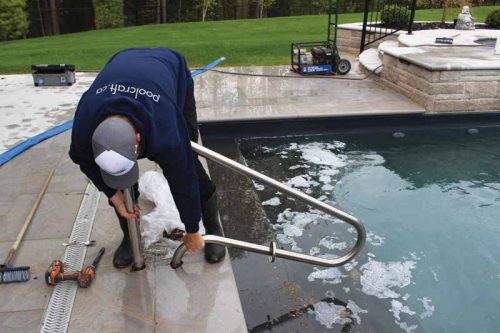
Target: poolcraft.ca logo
{"type": "Point", "coordinates": [135, 91]}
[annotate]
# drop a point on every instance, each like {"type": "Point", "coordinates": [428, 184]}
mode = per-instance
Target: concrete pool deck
{"type": "Point", "coordinates": [196, 298]}
{"type": "Point", "coordinates": [26, 110]}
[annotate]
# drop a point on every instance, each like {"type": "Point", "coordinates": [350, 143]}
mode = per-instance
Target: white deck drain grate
{"type": "Point", "coordinates": [61, 302]}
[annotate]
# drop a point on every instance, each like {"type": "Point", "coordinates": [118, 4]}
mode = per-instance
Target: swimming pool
{"type": "Point", "coordinates": [430, 200]}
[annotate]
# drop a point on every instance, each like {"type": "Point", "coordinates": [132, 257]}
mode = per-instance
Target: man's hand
{"type": "Point", "coordinates": [118, 200]}
{"type": "Point", "coordinates": [194, 242]}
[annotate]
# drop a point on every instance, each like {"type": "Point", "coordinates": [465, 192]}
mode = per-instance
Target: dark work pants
{"type": "Point", "coordinates": [207, 188]}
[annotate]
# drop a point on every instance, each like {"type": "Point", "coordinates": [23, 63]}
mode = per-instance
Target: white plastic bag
{"type": "Point", "coordinates": [154, 187]}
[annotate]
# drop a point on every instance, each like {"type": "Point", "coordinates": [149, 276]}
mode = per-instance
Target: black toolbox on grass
{"type": "Point", "coordinates": [53, 75]}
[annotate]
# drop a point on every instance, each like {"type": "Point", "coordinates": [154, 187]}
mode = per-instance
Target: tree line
{"type": "Point", "coordinates": [34, 18]}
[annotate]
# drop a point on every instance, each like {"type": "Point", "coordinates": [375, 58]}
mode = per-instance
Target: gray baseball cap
{"type": "Point", "coordinates": [115, 152]}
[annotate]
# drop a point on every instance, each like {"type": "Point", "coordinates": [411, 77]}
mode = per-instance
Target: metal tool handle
{"type": "Point", "coordinates": [98, 257]}
{"type": "Point", "coordinates": [134, 232]}
{"type": "Point", "coordinates": [29, 218]}
{"type": "Point", "coordinates": [271, 250]}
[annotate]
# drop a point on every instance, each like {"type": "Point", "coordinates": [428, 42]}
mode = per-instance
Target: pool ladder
{"type": "Point", "coordinates": [272, 250]}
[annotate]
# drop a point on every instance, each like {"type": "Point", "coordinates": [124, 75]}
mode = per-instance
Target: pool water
{"type": "Point", "coordinates": [430, 202]}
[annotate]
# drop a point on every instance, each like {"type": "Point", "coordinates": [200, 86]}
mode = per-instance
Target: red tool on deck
{"type": "Point", "coordinates": [55, 273]}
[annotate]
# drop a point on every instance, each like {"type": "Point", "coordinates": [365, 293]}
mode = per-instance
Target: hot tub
{"type": "Point", "coordinates": [463, 76]}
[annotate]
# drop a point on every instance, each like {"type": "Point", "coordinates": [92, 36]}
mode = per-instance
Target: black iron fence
{"type": "Point", "coordinates": [383, 18]}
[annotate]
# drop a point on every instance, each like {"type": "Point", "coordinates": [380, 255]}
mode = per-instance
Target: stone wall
{"type": "Point", "coordinates": [349, 40]}
{"type": "Point", "coordinates": [444, 91]}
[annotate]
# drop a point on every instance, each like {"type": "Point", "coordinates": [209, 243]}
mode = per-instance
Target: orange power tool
{"type": "Point", "coordinates": [55, 273]}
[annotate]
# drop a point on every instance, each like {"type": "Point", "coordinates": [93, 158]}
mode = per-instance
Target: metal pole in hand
{"type": "Point", "coordinates": [134, 232]}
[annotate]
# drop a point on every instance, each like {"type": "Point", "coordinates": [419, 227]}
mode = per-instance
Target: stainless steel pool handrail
{"type": "Point", "coordinates": [272, 250]}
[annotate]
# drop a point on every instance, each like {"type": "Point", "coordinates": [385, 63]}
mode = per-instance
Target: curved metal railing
{"type": "Point", "coordinates": [272, 250]}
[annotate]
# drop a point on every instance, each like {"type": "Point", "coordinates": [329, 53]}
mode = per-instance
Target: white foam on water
{"type": "Point", "coordinates": [405, 327]}
{"type": "Point", "coordinates": [258, 187]}
{"type": "Point", "coordinates": [327, 188]}
{"type": "Point", "coordinates": [320, 154]}
{"type": "Point", "coordinates": [292, 224]}
{"type": "Point", "coordinates": [266, 149]}
{"type": "Point", "coordinates": [375, 158]}
{"type": "Point", "coordinates": [375, 239]}
{"type": "Point", "coordinates": [414, 256]}
{"type": "Point", "coordinates": [314, 251]}
{"type": "Point", "coordinates": [315, 153]}
{"type": "Point", "coordinates": [328, 172]}
{"type": "Point", "coordinates": [428, 308]}
{"type": "Point", "coordinates": [335, 145]}
{"type": "Point", "coordinates": [355, 310]}
{"type": "Point", "coordinates": [283, 239]}
{"type": "Point", "coordinates": [291, 230]}
{"type": "Point", "coordinates": [398, 308]}
{"type": "Point", "coordinates": [350, 265]}
{"type": "Point", "coordinates": [379, 279]}
{"type": "Point", "coordinates": [293, 167]}
{"type": "Point", "coordinates": [331, 245]}
{"type": "Point", "coordinates": [299, 219]}
{"type": "Point", "coordinates": [330, 275]}
{"type": "Point", "coordinates": [322, 157]}
{"type": "Point", "coordinates": [325, 179]}
{"type": "Point", "coordinates": [299, 181]}
{"type": "Point", "coordinates": [272, 202]}
{"type": "Point", "coordinates": [330, 314]}
{"type": "Point", "coordinates": [434, 275]}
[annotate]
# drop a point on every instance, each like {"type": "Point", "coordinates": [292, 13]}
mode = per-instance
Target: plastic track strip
{"type": "Point", "coordinates": [58, 312]}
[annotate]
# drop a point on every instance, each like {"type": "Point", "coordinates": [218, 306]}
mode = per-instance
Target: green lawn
{"type": "Point", "coordinates": [242, 42]}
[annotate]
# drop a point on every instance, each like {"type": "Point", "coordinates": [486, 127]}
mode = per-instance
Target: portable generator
{"type": "Point", "coordinates": [320, 57]}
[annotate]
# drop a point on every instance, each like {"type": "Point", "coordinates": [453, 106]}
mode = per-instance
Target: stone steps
{"type": "Point", "coordinates": [371, 59]}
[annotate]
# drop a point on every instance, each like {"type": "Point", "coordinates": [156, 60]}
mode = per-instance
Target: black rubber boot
{"type": "Point", "coordinates": [123, 255]}
{"type": "Point", "coordinates": [213, 252]}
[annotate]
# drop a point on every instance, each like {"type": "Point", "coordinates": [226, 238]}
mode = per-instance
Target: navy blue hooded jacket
{"type": "Point", "coordinates": [149, 87]}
